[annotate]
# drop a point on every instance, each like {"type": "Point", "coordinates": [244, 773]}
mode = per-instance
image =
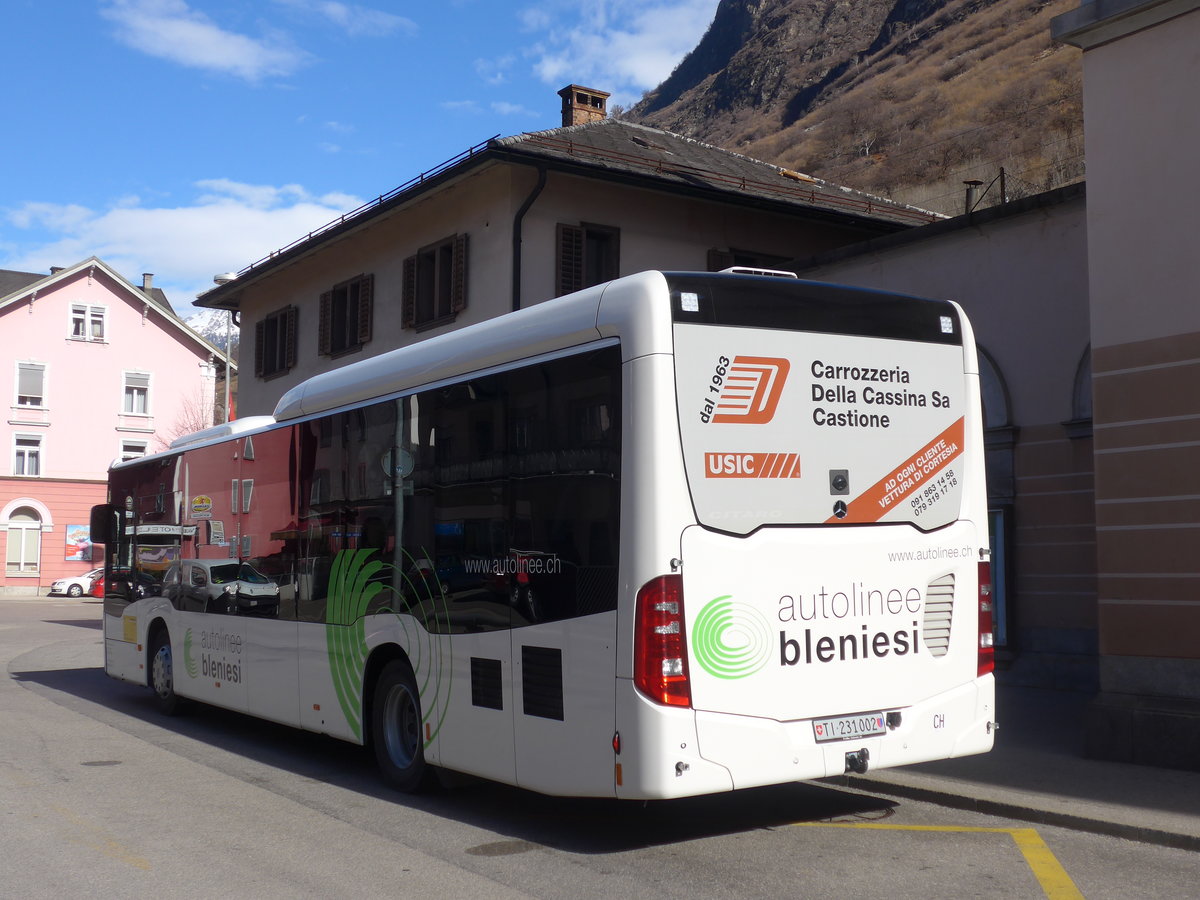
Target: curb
{"type": "Point", "coordinates": [1137, 833]}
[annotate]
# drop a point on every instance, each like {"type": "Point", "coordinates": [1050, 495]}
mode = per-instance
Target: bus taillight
{"type": "Point", "coordinates": [987, 640]}
{"type": "Point", "coordinates": [660, 666]}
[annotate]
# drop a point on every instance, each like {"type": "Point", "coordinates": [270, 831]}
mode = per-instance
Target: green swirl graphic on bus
{"type": "Point", "coordinates": [730, 640]}
{"type": "Point", "coordinates": [189, 661]}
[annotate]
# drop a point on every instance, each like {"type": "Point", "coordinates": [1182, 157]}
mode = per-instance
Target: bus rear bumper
{"type": "Point", "coordinates": [757, 751]}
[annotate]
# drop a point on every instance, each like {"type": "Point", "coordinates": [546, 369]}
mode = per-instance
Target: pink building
{"type": "Point", "coordinates": [93, 369]}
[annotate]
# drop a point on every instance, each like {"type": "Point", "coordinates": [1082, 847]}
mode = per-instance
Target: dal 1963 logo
{"type": "Point", "coordinates": [745, 391]}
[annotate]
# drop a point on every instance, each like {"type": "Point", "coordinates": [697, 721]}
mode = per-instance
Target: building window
{"type": "Point", "coordinates": [31, 384]}
{"type": "Point", "coordinates": [132, 449]}
{"type": "Point", "coordinates": [137, 393]}
{"type": "Point", "coordinates": [435, 283]}
{"type": "Point", "coordinates": [275, 343]}
{"type": "Point", "coordinates": [87, 322]}
{"type": "Point", "coordinates": [27, 455]}
{"type": "Point", "coordinates": [587, 255]}
{"type": "Point", "coordinates": [346, 316]}
{"type": "Point", "coordinates": [24, 551]}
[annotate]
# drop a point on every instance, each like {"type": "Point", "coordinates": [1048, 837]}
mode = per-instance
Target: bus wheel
{"type": "Point", "coordinates": [162, 678]}
{"type": "Point", "coordinates": [396, 728]}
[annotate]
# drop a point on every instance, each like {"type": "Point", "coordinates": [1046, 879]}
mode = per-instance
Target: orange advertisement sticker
{"type": "Point", "coordinates": [883, 496]}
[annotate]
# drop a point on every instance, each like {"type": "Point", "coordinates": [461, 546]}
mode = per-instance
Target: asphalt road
{"type": "Point", "coordinates": [101, 796]}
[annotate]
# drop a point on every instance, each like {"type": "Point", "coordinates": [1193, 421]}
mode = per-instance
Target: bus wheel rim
{"type": "Point", "coordinates": [162, 671]}
{"type": "Point", "coordinates": [401, 728]}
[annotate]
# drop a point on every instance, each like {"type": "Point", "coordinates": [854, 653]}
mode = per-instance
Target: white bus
{"type": "Point", "coordinates": [676, 534]}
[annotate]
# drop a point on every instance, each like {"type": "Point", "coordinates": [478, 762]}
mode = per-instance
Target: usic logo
{"type": "Point", "coordinates": [751, 390]}
{"type": "Point", "coordinates": [751, 465]}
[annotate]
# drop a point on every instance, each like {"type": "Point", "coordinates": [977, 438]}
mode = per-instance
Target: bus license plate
{"type": "Point", "coordinates": [844, 728]}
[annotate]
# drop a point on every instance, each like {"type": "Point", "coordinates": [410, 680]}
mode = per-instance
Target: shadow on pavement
{"type": "Point", "coordinates": [78, 623]}
{"type": "Point", "coordinates": [571, 824]}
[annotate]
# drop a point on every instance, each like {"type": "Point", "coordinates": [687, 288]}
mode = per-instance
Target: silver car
{"type": "Point", "coordinates": [220, 586]}
{"type": "Point", "coordinates": [77, 585]}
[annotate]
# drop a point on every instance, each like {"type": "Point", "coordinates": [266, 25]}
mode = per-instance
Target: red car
{"type": "Point", "coordinates": [146, 585]}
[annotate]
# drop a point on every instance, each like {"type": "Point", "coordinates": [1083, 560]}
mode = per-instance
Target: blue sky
{"type": "Point", "coordinates": [191, 137]}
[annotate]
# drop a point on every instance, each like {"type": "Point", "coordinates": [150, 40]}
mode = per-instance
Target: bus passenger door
{"type": "Point", "coordinates": [212, 640]}
{"type": "Point", "coordinates": [265, 594]}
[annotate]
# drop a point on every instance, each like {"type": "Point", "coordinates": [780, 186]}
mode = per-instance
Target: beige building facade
{"type": "Point", "coordinates": [1020, 272]}
{"type": "Point", "coordinates": [519, 221]}
{"type": "Point", "coordinates": [1141, 68]}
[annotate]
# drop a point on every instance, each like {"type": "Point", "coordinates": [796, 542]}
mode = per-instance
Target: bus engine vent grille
{"type": "Point", "coordinates": [542, 682]}
{"type": "Point", "coordinates": [939, 612]}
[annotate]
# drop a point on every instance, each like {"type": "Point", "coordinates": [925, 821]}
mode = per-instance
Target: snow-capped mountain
{"type": "Point", "coordinates": [213, 324]}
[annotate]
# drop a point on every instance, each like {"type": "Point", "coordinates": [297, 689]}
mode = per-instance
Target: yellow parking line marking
{"type": "Point", "coordinates": [91, 835]}
{"type": "Point", "coordinates": [1053, 878]}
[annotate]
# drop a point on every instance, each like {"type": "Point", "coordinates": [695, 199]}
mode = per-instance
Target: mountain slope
{"type": "Point", "coordinates": [905, 98]}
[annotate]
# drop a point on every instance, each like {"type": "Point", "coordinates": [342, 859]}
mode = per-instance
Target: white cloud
{"type": "Point", "coordinates": [495, 71]}
{"type": "Point", "coordinates": [625, 47]}
{"type": "Point", "coordinates": [512, 109]}
{"type": "Point", "coordinates": [171, 30]}
{"type": "Point", "coordinates": [57, 217]}
{"type": "Point", "coordinates": [226, 227]}
{"type": "Point", "coordinates": [356, 21]}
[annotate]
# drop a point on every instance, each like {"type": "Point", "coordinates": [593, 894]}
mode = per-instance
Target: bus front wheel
{"type": "Point", "coordinates": [162, 675]}
{"type": "Point", "coordinates": [396, 728]}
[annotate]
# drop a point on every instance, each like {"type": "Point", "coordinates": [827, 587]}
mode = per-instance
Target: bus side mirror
{"type": "Point", "coordinates": [105, 524]}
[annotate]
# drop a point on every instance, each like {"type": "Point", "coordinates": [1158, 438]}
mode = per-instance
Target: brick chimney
{"type": "Point", "coordinates": [581, 105]}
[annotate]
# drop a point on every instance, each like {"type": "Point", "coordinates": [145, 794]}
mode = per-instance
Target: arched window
{"type": "Point", "coordinates": [1081, 400]}
{"type": "Point", "coordinates": [994, 393]}
{"type": "Point", "coordinates": [1080, 424]}
{"type": "Point", "coordinates": [24, 551]}
{"type": "Point", "coordinates": [999, 438]}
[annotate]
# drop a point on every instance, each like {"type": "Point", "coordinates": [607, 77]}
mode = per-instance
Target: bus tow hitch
{"type": "Point", "coordinates": [857, 761]}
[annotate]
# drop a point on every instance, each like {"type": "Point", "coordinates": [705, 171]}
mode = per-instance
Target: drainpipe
{"type": "Point", "coordinates": [516, 236]}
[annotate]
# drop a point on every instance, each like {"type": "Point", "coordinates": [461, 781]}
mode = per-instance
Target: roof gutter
{"type": "Point", "coordinates": [227, 296]}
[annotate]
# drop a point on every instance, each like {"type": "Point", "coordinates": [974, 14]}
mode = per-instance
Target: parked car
{"type": "Point", "coordinates": [143, 583]}
{"type": "Point", "coordinates": [77, 585]}
{"type": "Point", "coordinates": [220, 586]}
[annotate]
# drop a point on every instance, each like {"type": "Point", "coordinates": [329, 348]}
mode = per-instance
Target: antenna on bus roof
{"type": "Point", "coordinates": [749, 270]}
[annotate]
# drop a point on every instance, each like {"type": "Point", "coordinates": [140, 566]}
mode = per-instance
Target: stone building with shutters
{"type": "Point", "coordinates": [521, 220]}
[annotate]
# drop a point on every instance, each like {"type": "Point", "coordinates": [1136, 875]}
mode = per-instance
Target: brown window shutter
{"type": "Point", "coordinates": [408, 297]}
{"type": "Point", "coordinates": [719, 259]}
{"type": "Point", "coordinates": [324, 326]}
{"type": "Point", "coordinates": [458, 278]}
{"type": "Point", "coordinates": [289, 340]}
{"type": "Point", "coordinates": [366, 298]}
{"type": "Point", "coordinates": [259, 339]}
{"type": "Point", "coordinates": [569, 259]}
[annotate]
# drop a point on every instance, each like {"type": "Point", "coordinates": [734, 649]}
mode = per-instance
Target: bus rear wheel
{"type": "Point", "coordinates": [396, 729]}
